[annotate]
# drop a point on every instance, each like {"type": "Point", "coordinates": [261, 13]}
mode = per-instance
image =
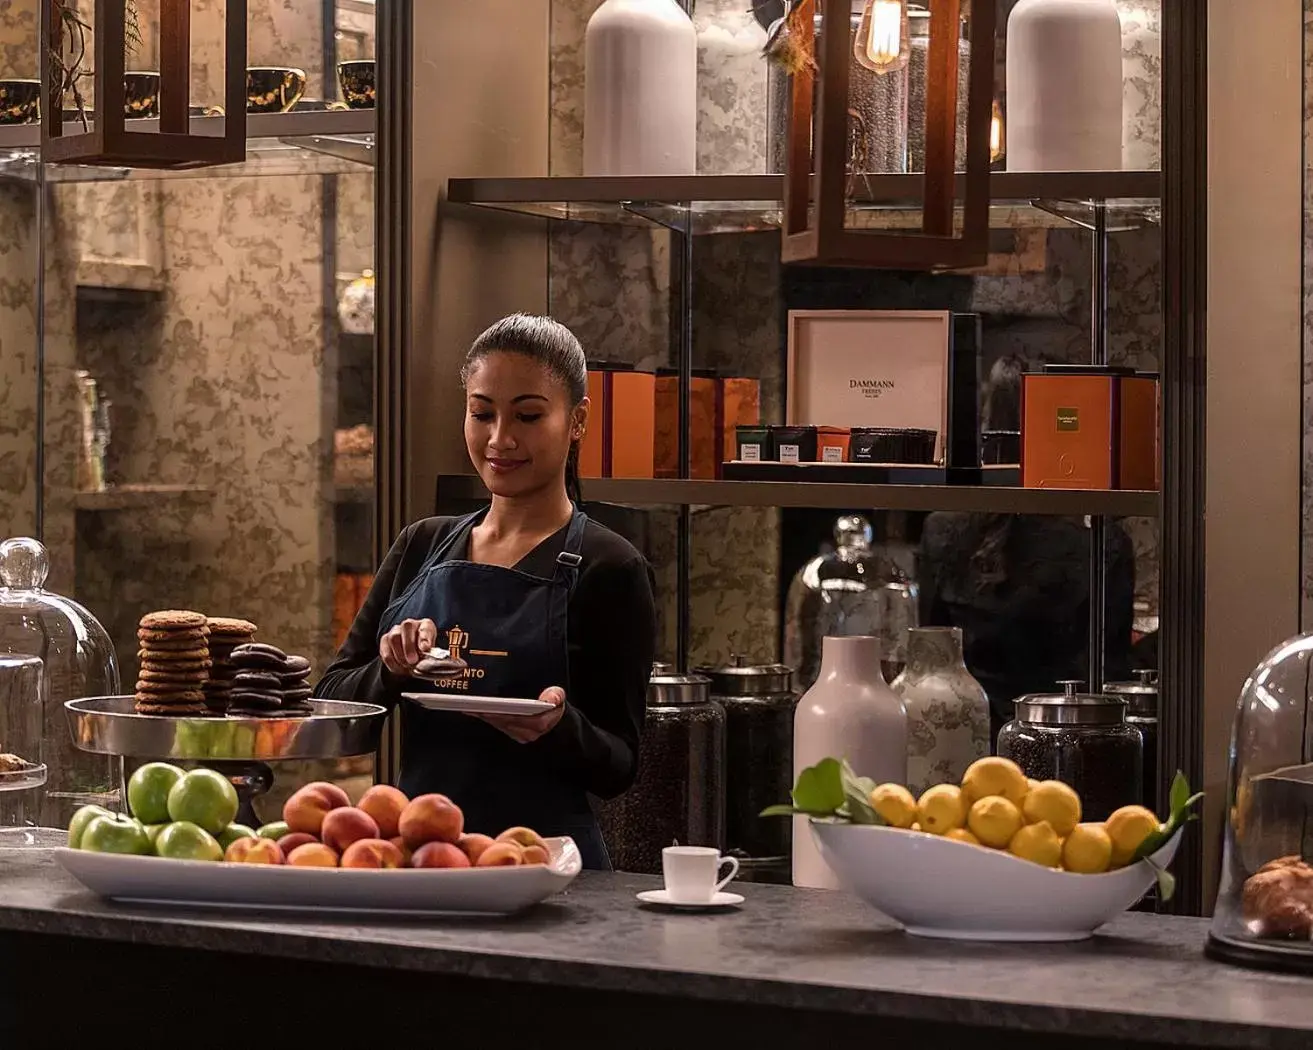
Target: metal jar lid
{"type": "Point", "coordinates": [1141, 697]}
{"type": "Point", "coordinates": [1070, 708]}
{"type": "Point", "coordinates": [741, 678]}
{"type": "Point", "coordinates": [674, 690]}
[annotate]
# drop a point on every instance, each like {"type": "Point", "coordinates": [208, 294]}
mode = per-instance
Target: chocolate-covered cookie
{"type": "Point", "coordinates": [172, 620]}
{"type": "Point", "coordinates": [296, 696]}
{"type": "Point", "coordinates": [296, 665]}
{"type": "Point", "coordinates": [265, 681]}
{"type": "Point", "coordinates": [258, 655]}
{"type": "Point", "coordinates": [255, 699]}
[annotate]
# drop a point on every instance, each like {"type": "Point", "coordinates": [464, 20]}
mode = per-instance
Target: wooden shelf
{"type": "Point", "coordinates": [131, 497]}
{"type": "Point", "coordinates": [973, 498]}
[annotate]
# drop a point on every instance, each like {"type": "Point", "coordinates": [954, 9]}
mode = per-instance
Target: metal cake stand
{"type": "Point", "coordinates": [239, 747]}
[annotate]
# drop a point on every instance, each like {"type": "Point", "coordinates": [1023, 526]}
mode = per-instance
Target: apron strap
{"type": "Point", "coordinates": [569, 560]}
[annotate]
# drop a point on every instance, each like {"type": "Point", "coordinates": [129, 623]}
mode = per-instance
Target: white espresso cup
{"type": "Point", "coordinates": [691, 873]}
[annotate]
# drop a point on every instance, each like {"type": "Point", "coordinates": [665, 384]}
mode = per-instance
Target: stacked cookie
{"type": "Point", "coordinates": [226, 634]}
{"type": "Point", "coordinates": [175, 662]}
{"type": "Point", "coordinates": [268, 683]}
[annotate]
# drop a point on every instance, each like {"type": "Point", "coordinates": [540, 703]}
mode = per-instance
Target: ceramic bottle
{"type": "Point", "coordinates": [640, 89]}
{"type": "Point", "coordinates": [947, 709]}
{"type": "Point", "coordinates": [1064, 86]}
{"type": "Point", "coordinates": [849, 713]}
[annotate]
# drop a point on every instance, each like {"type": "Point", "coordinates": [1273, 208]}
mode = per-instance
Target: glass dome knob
{"type": "Point", "coordinates": [24, 564]}
{"type": "Point", "coordinates": [852, 530]}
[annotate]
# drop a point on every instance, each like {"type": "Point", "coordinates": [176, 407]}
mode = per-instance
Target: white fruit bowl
{"type": "Point", "coordinates": [936, 887]}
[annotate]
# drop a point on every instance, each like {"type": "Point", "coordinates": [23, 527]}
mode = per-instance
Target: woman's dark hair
{"type": "Point", "coordinates": [554, 347]}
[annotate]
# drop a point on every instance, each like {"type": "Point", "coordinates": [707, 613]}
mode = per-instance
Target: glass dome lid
{"type": "Point", "coordinates": [79, 661]}
{"type": "Point", "coordinates": [1264, 913]}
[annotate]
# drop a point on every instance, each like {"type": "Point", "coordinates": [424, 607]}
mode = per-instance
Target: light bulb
{"type": "Point", "coordinates": [883, 44]}
{"type": "Point", "coordinates": [996, 139]}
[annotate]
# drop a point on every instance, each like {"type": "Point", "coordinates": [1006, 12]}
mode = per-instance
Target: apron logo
{"type": "Point", "coordinates": [458, 644]}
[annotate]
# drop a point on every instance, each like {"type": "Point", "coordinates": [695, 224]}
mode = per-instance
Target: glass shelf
{"type": "Point", "coordinates": [747, 203]}
{"type": "Point", "coordinates": [312, 142]}
{"type": "Point", "coordinates": [968, 498]}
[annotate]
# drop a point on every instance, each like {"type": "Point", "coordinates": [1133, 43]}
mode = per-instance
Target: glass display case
{"type": "Point", "coordinates": [1264, 912]}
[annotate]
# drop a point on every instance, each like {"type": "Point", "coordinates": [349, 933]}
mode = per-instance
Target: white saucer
{"type": "Point", "coordinates": [720, 900]}
{"type": "Point", "coordinates": [478, 705]}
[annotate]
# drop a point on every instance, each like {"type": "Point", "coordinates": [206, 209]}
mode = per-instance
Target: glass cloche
{"type": "Point", "coordinates": [1264, 913]}
{"type": "Point", "coordinates": [852, 590]}
{"type": "Point", "coordinates": [79, 661]}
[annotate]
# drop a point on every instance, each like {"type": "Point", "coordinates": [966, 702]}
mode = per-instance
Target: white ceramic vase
{"type": "Point", "coordinates": [849, 713]}
{"type": "Point", "coordinates": [1064, 86]}
{"type": "Point", "coordinates": [947, 709]}
{"type": "Point", "coordinates": [640, 90]}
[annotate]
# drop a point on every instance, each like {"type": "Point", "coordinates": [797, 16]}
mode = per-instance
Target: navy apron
{"type": "Point", "coordinates": [510, 628]}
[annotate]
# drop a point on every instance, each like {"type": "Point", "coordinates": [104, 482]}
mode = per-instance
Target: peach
{"type": "Point", "coordinates": [306, 809]}
{"type": "Point", "coordinates": [439, 855]}
{"type": "Point", "coordinates": [384, 803]}
{"type": "Point", "coordinates": [523, 837]}
{"type": "Point", "coordinates": [400, 843]}
{"type": "Point", "coordinates": [372, 853]}
{"type": "Point", "coordinates": [253, 851]}
{"type": "Point", "coordinates": [536, 855]}
{"type": "Point", "coordinates": [313, 855]}
{"type": "Point", "coordinates": [474, 844]}
{"type": "Point", "coordinates": [345, 826]}
{"type": "Point", "coordinates": [501, 855]}
{"type": "Point", "coordinates": [431, 818]}
{"type": "Point", "coordinates": [293, 839]}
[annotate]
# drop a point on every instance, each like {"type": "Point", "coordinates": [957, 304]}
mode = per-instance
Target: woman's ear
{"type": "Point", "coordinates": [579, 422]}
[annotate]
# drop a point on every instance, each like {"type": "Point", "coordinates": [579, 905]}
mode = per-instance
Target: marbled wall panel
{"type": "Point", "coordinates": [1142, 68]}
{"type": "Point", "coordinates": [1307, 529]}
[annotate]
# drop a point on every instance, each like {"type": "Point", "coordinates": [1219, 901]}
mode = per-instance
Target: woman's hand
{"type": "Point", "coordinates": [526, 729]}
{"type": "Point", "coordinates": [404, 646]}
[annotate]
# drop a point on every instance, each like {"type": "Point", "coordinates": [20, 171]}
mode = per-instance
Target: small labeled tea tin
{"type": "Point", "coordinates": [790, 444]}
{"type": "Point", "coordinates": [832, 444]}
{"type": "Point", "coordinates": [753, 444]}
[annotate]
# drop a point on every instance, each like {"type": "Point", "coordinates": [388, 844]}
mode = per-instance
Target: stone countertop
{"type": "Point", "coordinates": [1145, 977]}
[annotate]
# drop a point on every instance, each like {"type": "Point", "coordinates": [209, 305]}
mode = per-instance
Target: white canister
{"type": "Point", "coordinates": [640, 90]}
{"type": "Point", "coordinates": [850, 713]}
{"type": "Point", "coordinates": [1064, 84]}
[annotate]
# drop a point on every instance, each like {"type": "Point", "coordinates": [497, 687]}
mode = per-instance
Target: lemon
{"type": "Point", "coordinates": [895, 804]}
{"type": "Point", "coordinates": [962, 835]}
{"type": "Point", "coordinates": [1088, 850]}
{"type": "Point", "coordinates": [995, 776]}
{"type": "Point", "coordinates": [1037, 843]}
{"type": "Point", "coordinates": [942, 809]}
{"type": "Point", "coordinates": [994, 820]}
{"type": "Point", "coordinates": [1055, 802]}
{"type": "Point", "coordinates": [1128, 828]}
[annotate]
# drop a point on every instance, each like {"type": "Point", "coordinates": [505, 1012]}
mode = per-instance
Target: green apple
{"type": "Point", "coordinates": [153, 832]}
{"type": "Point", "coordinates": [78, 825]}
{"type": "Point", "coordinates": [204, 797]}
{"type": "Point", "coordinates": [232, 833]}
{"type": "Point", "coordinates": [184, 840]}
{"type": "Point", "coordinates": [148, 791]}
{"type": "Point", "coordinates": [274, 831]}
{"type": "Point", "coordinates": [115, 834]}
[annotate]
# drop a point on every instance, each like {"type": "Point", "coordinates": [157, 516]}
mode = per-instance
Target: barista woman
{"type": "Point", "coordinates": [536, 598]}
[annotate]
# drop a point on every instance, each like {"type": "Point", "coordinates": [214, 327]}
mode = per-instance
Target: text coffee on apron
{"type": "Point", "coordinates": [510, 628]}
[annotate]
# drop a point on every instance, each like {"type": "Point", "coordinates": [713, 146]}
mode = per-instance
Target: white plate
{"type": "Point", "coordinates": [720, 900]}
{"type": "Point", "coordinates": [937, 887]}
{"type": "Point", "coordinates": [411, 891]}
{"type": "Point", "coordinates": [478, 705]}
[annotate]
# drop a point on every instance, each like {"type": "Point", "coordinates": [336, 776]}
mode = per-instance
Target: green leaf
{"type": "Point", "coordinates": [819, 789]}
{"type": "Point", "coordinates": [781, 811]}
{"type": "Point", "coordinates": [1182, 803]}
{"type": "Point", "coordinates": [1166, 882]}
{"type": "Point", "coordinates": [857, 797]}
{"type": "Point", "coordinates": [1180, 792]}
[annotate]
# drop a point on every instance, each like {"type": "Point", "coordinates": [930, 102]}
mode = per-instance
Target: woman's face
{"type": "Point", "coordinates": [519, 424]}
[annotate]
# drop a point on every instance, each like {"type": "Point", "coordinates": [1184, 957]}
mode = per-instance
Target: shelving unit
{"type": "Point", "coordinates": [748, 203]}
{"type": "Point", "coordinates": [964, 498]}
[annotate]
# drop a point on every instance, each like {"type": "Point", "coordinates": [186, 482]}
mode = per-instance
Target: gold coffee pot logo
{"type": "Point", "coordinates": [457, 642]}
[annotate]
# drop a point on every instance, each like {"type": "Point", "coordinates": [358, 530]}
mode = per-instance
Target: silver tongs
{"type": "Point", "coordinates": [439, 665]}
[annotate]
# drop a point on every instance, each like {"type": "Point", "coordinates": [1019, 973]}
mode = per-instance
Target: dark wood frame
{"type": "Point", "coordinates": [392, 252]}
{"type": "Point", "coordinates": [821, 141]}
{"type": "Point", "coordinates": [108, 141]}
{"type": "Point", "coordinates": [1185, 297]}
